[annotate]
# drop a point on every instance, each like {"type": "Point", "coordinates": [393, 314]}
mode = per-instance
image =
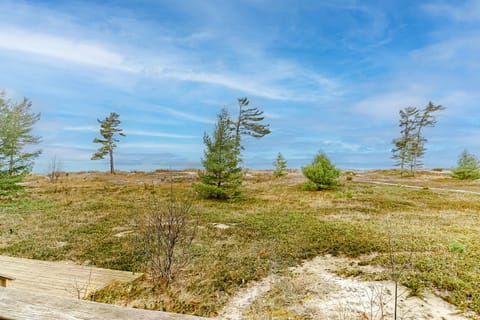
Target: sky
{"type": "Point", "coordinates": [330, 76]}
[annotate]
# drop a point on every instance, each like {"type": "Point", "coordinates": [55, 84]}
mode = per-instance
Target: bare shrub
{"type": "Point", "coordinates": [54, 170]}
{"type": "Point", "coordinates": [164, 237]}
{"type": "Point", "coordinates": [397, 266]}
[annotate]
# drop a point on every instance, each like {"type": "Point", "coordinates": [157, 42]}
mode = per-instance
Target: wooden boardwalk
{"type": "Point", "coordinates": [21, 305]}
{"type": "Point", "coordinates": [59, 278]}
{"type": "Point", "coordinates": [49, 290]}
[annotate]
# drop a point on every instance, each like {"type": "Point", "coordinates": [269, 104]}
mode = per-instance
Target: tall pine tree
{"type": "Point", "coordinates": [221, 176]}
{"type": "Point", "coordinates": [109, 127]}
{"type": "Point", "coordinates": [402, 151]}
{"type": "Point", "coordinates": [410, 147]}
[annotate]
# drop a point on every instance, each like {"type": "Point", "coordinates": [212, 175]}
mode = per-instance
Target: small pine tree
{"type": "Point", "coordinates": [468, 167]}
{"type": "Point", "coordinates": [221, 177]}
{"type": "Point", "coordinates": [108, 129]}
{"type": "Point", "coordinates": [280, 166]}
{"type": "Point", "coordinates": [321, 173]}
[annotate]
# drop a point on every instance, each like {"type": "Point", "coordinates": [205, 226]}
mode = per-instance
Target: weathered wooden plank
{"type": "Point", "coordinates": [21, 305]}
{"type": "Point", "coordinates": [59, 278]}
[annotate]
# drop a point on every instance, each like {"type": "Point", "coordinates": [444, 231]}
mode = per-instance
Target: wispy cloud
{"type": "Point", "coordinates": [256, 72]}
{"type": "Point", "coordinates": [185, 115]}
{"type": "Point", "coordinates": [155, 147]}
{"type": "Point", "coordinates": [141, 133]}
{"type": "Point", "coordinates": [465, 11]}
{"type": "Point", "coordinates": [387, 105]}
{"type": "Point", "coordinates": [56, 47]}
{"type": "Point", "coordinates": [456, 51]}
{"type": "Point", "coordinates": [158, 134]}
{"type": "Point", "coordinates": [81, 128]}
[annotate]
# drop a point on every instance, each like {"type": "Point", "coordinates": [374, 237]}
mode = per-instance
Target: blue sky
{"type": "Point", "coordinates": [330, 75]}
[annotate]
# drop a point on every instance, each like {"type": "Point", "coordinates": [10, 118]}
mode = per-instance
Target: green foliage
{"type": "Point", "coordinates": [108, 129]}
{"type": "Point", "coordinates": [221, 176]}
{"type": "Point", "coordinates": [321, 172]}
{"type": "Point", "coordinates": [456, 246]}
{"type": "Point", "coordinates": [16, 125]}
{"type": "Point", "coordinates": [9, 185]}
{"type": "Point", "coordinates": [280, 166]}
{"type": "Point", "coordinates": [468, 167]}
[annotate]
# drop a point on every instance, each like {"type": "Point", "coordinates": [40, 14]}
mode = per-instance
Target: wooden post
{"type": "Point", "coordinates": [4, 279]}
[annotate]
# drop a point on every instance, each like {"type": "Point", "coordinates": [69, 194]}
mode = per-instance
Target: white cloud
{"type": "Point", "coordinates": [57, 47]}
{"type": "Point", "coordinates": [254, 73]}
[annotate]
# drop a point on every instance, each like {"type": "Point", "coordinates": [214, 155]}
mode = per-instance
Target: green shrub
{"type": "Point", "coordinates": [456, 246]}
{"type": "Point", "coordinates": [321, 172]}
{"type": "Point", "coordinates": [468, 167]}
{"type": "Point", "coordinates": [206, 191]}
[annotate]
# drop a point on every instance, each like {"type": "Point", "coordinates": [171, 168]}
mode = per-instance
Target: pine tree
{"type": "Point", "coordinates": [321, 173]}
{"type": "Point", "coordinates": [468, 167]}
{"type": "Point", "coordinates": [410, 147]}
{"type": "Point", "coordinates": [16, 125]}
{"type": "Point", "coordinates": [221, 176]}
{"type": "Point", "coordinates": [108, 129]}
{"type": "Point", "coordinates": [280, 166]}
{"type": "Point", "coordinates": [248, 123]}
{"type": "Point", "coordinates": [402, 151]}
{"type": "Point", "coordinates": [423, 120]}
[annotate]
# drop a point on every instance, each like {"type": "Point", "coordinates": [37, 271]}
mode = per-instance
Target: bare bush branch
{"type": "Point", "coordinates": [165, 235]}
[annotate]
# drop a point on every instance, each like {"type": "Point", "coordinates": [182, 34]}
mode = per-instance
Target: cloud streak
{"type": "Point", "coordinates": [55, 47]}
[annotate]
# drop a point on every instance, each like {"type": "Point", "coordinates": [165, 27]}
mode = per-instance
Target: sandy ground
{"type": "Point", "coordinates": [324, 295]}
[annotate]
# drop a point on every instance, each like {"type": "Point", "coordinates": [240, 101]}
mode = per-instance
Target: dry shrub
{"type": "Point", "coordinates": [165, 236]}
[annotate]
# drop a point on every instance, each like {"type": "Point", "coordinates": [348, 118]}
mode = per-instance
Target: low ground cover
{"type": "Point", "coordinates": [92, 217]}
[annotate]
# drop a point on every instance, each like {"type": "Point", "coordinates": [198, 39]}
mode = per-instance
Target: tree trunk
{"type": "Point", "coordinates": [10, 166]}
{"type": "Point", "coordinates": [112, 171]}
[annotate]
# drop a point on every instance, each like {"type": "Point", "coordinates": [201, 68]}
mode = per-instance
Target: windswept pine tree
{"type": "Point", "coordinates": [109, 128]}
{"type": "Point", "coordinates": [248, 123]}
{"type": "Point", "coordinates": [221, 176]}
{"type": "Point", "coordinates": [410, 147]}
{"type": "Point", "coordinates": [402, 151]}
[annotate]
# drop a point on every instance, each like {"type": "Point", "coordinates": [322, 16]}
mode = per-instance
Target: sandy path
{"type": "Point", "coordinates": [328, 296]}
{"type": "Point", "coordinates": [416, 187]}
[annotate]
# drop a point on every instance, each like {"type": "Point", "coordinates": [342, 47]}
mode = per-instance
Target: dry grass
{"type": "Point", "coordinates": [275, 225]}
